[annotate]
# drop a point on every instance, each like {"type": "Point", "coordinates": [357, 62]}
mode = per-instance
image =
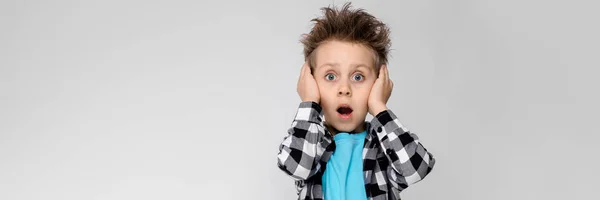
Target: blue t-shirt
{"type": "Point", "coordinates": [343, 176]}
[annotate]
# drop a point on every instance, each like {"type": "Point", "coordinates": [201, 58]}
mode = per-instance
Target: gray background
{"type": "Point", "coordinates": [190, 99]}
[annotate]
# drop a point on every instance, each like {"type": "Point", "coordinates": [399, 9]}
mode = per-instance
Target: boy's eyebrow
{"type": "Point", "coordinates": [336, 65]}
{"type": "Point", "coordinates": [361, 65]}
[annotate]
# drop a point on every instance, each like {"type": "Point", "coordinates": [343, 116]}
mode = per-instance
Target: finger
{"type": "Point", "coordinates": [305, 68]}
{"type": "Point", "coordinates": [387, 73]}
{"type": "Point", "coordinates": [391, 89]}
{"type": "Point", "coordinates": [308, 70]}
{"type": "Point", "coordinates": [380, 72]}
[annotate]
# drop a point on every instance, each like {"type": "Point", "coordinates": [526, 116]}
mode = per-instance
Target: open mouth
{"type": "Point", "coordinates": [344, 111]}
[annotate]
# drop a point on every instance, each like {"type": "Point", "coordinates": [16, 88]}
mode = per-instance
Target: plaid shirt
{"type": "Point", "coordinates": [393, 157]}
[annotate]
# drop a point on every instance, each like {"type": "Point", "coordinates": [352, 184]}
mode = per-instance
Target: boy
{"type": "Point", "coordinates": [331, 151]}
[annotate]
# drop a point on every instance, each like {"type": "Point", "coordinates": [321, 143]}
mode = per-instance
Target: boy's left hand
{"type": "Point", "coordinates": [381, 92]}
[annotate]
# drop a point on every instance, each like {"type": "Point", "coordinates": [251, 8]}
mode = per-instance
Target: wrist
{"type": "Point", "coordinates": [378, 109]}
{"type": "Point", "coordinates": [311, 99]}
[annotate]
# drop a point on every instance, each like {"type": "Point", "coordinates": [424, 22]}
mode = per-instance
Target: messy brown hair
{"type": "Point", "coordinates": [348, 25]}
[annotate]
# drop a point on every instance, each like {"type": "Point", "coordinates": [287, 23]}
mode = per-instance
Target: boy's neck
{"type": "Point", "coordinates": [358, 129]}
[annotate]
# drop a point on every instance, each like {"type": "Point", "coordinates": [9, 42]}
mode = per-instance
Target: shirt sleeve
{"type": "Point", "coordinates": [302, 148]}
{"type": "Point", "coordinates": [410, 162]}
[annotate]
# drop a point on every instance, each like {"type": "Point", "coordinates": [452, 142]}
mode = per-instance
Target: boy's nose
{"type": "Point", "coordinates": [344, 91]}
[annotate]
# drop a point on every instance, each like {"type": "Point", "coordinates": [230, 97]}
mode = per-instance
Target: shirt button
{"type": "Point", "coordinates": [379, 129]}
{"type": "Point", "coordinates": [389, 151]}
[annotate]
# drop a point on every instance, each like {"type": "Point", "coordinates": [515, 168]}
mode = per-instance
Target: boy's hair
{"type": "Point", "coordinates": [348, 25]}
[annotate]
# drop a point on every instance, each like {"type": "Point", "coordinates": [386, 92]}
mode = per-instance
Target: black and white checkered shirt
{"type": "Point", "coordinates": [393, 157]}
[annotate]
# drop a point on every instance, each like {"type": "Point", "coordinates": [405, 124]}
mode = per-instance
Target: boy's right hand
{"type": "Point", "coordinates": [307, 86]}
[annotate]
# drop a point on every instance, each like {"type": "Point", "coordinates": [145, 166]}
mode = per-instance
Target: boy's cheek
{"type": "Point", "coordinates": [369, 86]}
{"type": "Point", "coordinates": [324, 92]}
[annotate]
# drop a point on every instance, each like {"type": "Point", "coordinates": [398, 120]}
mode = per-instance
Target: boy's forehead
{"type": "Point", "coordinates": [335, 54]}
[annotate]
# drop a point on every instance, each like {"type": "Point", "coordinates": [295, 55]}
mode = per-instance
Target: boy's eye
{"type": "Point", "coordinates": [330, 77]}
{"type": "Point", "coordinates": [358, 77]}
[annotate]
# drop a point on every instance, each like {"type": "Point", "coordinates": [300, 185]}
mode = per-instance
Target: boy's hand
{"type": "Point", "coordinates": [307, 86]}
{"type": "Point", "coordinates": [381, 92]}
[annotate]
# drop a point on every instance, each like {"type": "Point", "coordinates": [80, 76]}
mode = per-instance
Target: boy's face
{"type": "Point", "coordinates": [345, 74]}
